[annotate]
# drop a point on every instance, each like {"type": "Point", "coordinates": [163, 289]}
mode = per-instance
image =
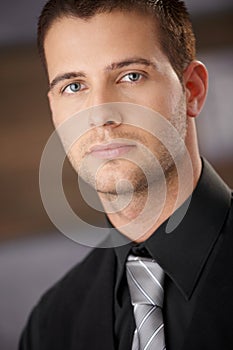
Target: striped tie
{"type": "Point", "coordinates": [145, 279]}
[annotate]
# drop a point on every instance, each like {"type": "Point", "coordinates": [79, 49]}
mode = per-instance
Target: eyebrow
{"type": "Point", "coordinates": [65, 76]}
{"type": "Point", "coordinates": [129, 61]}
{"type": "Point", "coordinates": [113, 66]}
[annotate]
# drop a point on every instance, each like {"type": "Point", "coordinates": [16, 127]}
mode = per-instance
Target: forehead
{"type": "Point", "coordinates": [97, 41]}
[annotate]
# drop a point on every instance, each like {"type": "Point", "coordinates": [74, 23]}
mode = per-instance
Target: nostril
{"type": "Point", "coordinates": [104, 115]}
{"type": "Point", "coordinates": [109, 122]}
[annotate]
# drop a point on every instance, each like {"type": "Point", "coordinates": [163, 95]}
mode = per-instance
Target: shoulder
{"type": "Point", "coordinates": [60, 314]}
{"type": "Point", "coordinates": [227, 228]}
{"type": "Point", "coordinates": [79, 286]}
{"type": "Point", "coordinates": [82, 277]}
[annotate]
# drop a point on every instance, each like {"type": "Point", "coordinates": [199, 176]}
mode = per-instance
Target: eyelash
{"type": "Point", "coordinates": [141, 76]}
{"type": "Point", "coordinates": [63, 91]}
{"type": "Point", "coordinates": [136, 73]}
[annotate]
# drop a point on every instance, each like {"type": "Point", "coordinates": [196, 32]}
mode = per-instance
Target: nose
{"type": "Point", "coordinates": [105, 115]}
{"type": "Point", "coordinates": [104, 110]}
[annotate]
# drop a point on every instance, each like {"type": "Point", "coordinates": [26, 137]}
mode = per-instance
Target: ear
{"type": "Point", "coordinates": [195, 80]}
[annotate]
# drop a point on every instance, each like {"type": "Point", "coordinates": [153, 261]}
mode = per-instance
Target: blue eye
{"type": "Point", "coordinates": [73, 88]}
{"type": "Point", "coordinates": [132, 77]}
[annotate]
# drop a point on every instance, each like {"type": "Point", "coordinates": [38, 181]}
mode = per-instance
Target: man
{"type": "Point", "coordinates": [136, 59]}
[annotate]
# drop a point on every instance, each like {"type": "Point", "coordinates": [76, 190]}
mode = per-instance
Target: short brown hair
{"type": "Point", "coordinates": [176, 34]}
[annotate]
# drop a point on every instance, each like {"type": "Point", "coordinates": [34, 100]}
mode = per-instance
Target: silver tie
{"type": "Point", "coordinates": [145, 279]}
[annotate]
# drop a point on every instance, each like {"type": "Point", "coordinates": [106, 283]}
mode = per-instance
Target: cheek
{"type": "Point", "coordinates": [158, 97]}
{"type": "Point", "coordinates": [57, 119]}
{"type": "Point", "coordinates": [166, 103]}
{"type": "Point", "coordinates": [60, 115]}
{"type": "Point", "coordinates": [57, 114]}
{"type": "Point", "coordinates": [63, 108]}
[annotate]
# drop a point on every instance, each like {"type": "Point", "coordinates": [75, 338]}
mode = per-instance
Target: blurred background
{"type": "Point", "coordinates": [32, 253]}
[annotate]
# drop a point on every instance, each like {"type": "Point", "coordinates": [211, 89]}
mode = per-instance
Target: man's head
{"type": "Point", "coordinates": [171, 17]}
{"type": "Point", "coordinates": [135, 52]}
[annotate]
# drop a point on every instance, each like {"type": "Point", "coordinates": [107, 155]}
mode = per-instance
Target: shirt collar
{"type": "Point", "coordinates": [183, 252]}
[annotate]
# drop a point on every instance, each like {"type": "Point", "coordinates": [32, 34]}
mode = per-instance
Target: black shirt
{"type": "Point", "coordinates": [185, 256]}
{"type": "Point", "coordinates": [90, 308]}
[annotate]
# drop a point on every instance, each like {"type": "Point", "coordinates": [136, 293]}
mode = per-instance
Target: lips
{"type": "Point", "coordinates": [110, 150]}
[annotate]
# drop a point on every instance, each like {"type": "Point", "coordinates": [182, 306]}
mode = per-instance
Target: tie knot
{"type": "Point", "coordinates": [145, 279]}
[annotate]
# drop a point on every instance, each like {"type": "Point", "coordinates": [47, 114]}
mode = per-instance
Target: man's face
{"type": "Point", "coordinates": [110, 58]}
